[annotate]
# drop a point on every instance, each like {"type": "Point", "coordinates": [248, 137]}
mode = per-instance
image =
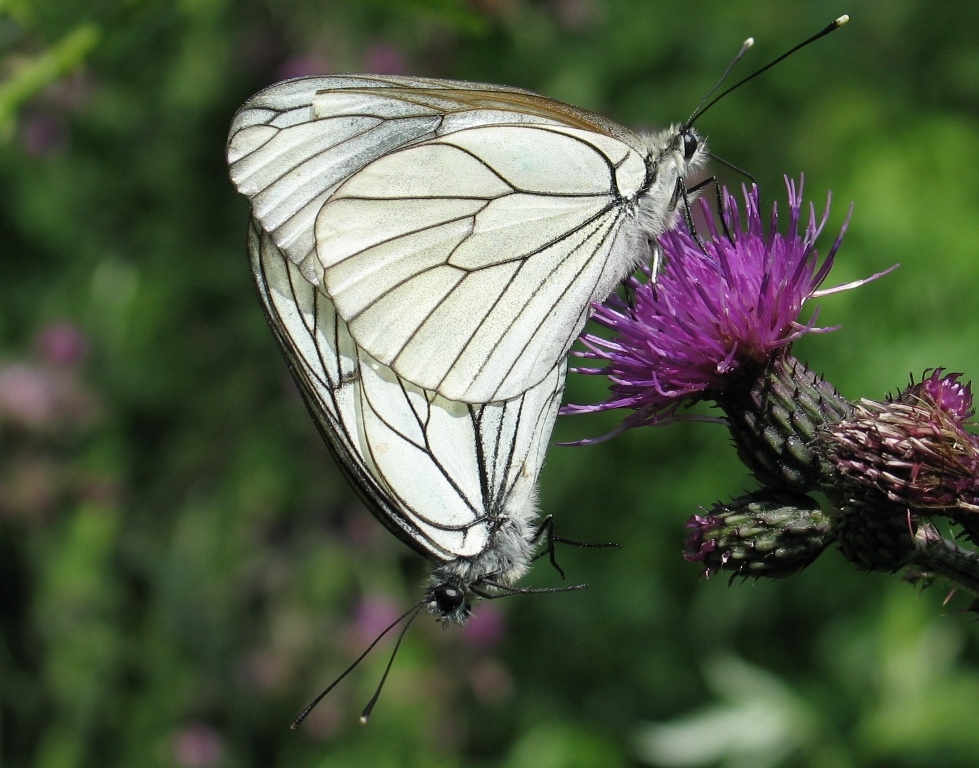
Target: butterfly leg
{"type": "Point", "coordinates": [719, 200]}
{"type": "Point", "coordinates": [546, 530]}
{"type": "Point", "coordinates": [682, 193]}
{"type": "Point", "coordinates": [717, 191]}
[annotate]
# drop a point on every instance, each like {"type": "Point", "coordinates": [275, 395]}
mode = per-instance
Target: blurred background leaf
{"type": "Point", "coordinates": [182, 567]}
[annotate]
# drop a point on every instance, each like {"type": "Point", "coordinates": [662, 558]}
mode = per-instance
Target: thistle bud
{"type": "Point", "coordinates": [768, 533]}
{"type": "Point", "coordinates": [774, 416]}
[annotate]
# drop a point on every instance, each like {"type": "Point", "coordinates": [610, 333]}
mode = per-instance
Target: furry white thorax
{"type": "Point", "coordinates": [655, 210]}
{"type": "Point", "coordinates": [659, 206]}
{"type": "Point", "coordinates": [506, 558]}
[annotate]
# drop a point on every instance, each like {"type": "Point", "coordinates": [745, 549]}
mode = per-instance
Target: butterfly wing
{"type": "Point", "coordinates": [461, 230]}
{"type": "Point", "coordinates": [438, 473]}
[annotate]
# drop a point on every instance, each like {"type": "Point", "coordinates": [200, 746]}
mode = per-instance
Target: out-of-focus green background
{"type": "Point", "coordinates": [182, 566]}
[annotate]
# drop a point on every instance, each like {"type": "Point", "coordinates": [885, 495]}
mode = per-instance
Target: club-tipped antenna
{"type": "Point", "coordinates": [832, 27]}
{"type": "Point", "coordinates": [309, 708]}
{"type": "Point", "coordinates": [366, 714]}
{"type": "Point", "coordinates": [740, 54]}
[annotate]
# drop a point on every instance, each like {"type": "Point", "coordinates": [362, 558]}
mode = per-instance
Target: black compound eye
{"type": "Point", "coordinates": [690, 144]}
{"type": "Point", "coordinates": [449, 599]}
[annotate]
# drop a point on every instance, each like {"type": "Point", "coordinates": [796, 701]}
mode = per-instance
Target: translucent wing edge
{"type": "Point", "coordinates": [324, 412]}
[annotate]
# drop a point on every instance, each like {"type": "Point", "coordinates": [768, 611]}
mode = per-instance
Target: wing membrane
{"type": "Point", "coordinates": [438, 181]}
{"type": "Point", "coordinates": [438, 473]}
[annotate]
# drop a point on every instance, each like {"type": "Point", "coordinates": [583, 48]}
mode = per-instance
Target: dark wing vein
{"type": "Point", "coordinates": [510, 282]}
{"type": "Point", "coordinates": [426, 448]}
{"type": "Point", "coordinates": [522, 259]}
{"type": "Point", "coordinates": [327, 420]}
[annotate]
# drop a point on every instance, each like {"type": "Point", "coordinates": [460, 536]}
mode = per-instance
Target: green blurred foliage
{"type": "Point", "coordinates": [181, 564]}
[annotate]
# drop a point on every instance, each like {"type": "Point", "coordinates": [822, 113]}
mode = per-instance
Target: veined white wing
{"type": "Point", "coordinates": [462, 230]}
{"type": "Point", "coordinates": [455, 481]}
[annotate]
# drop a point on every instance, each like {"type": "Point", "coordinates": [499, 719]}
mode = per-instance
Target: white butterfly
{"type": "Point", "coordinates": [462, 230]}
{"type": "Point", "coordinates": [427, 251]}
{"type": "Point", "coordinates": [455, 481]}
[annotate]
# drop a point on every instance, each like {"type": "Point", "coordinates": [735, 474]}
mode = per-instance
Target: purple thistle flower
{"type": "Point", "coordinates": [485, 629]}
{"type": "Point", "coordinates": [912, 452]}
{"type": "Point", "coordinates": [197, 746]}
{"type": "Point", "coordinates": [945, 392]}
{"type": "Point", "coordinates": [373, 614]}
{"type": "Point", "coordinates": [711, 312]}
{"type": "Point", "coordinates": [718, 324]}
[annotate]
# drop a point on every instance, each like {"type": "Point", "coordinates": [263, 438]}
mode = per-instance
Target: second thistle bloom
{"type": "Point", "coordinates": [771, 534]}
{"type": "Point", "coordinates": [912, 452]}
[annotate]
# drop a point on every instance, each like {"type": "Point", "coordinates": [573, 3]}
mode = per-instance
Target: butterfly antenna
{"type": "Point", "coordinates": [366, 714]}
{"type": "Point", "coordinates": [309, 708]}
{"type": "Point", "coordinates": [832, 27]}
{"type": "Point", "coordinates": [744, 49]}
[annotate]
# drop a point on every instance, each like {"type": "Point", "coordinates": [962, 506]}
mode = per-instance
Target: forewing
{"type": "Point", "coordinates": [436, 472]}
{"type": "Point", "coordinates": [467, 263]}
{"type": "Point", "coordinates": [464, 228]}
{"type": "Point", "coordinates": [292, 143]}
{"type": "Point", "coordinates": [287, 160]}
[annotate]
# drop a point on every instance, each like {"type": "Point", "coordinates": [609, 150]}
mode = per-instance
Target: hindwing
{"type": "Point", "coordinates": [441, 474]}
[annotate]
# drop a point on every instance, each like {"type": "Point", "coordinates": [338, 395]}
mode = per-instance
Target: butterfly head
{"type": "Point", "coordinates": [449, 601]}
{"type": "Point", "coordinates": [672, 156]}
{"type": "Point", "coordinates": [691, 143]}
{"type": "Point", "coordinates": [686, 148]}
{"type": "Point", "coordinates": [673, 153]}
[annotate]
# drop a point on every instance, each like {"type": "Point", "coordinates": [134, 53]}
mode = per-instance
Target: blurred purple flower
{"type": "Point", "coordinates": [28, 395]}
{"type": "Point", "coordinates": [304, 64]}
{"type": "Point", "coordinates": [43, 134]}
{"type": "Point", "coordinates": [485, 628]}
{"type": "Point", "coordinates": [61, 344]}
{"type": "Point", "coordinates": [712, 311]}
{"type": "Point", "coordinates": [372, 616]}
{"type": "Point", "coordinates": [44, 129]}
{"type": "Point", "coordinates": [50, 392]}
{"type": "Point", "coordinates": [198, 746]}
{"type": "Point", "coordinates": [36, 397]}
{"type": "Point", "coordinates": [384, 59]}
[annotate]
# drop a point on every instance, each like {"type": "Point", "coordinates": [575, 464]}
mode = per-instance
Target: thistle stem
{"type": "Point", "coordinates": [947, 559]}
